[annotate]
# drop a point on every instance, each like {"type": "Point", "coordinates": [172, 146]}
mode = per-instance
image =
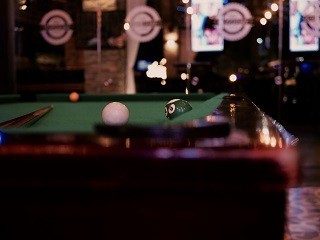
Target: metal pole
{"type": "Point", "coordinates": [99, 40]}
{"type": "Point", "coordinates": [189, 66]}
{"type": "Point", "coordinates": [279, 79]}
{"type": "Point", "coordinates": [99, 25]}
{"type": "Point", "coordinates": [188, 49]}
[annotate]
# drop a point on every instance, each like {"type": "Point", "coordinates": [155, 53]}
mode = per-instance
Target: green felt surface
{"type": "Point", "coordinates": [82, 116]}
{"type": "Point", "coordinates": [201, 110]}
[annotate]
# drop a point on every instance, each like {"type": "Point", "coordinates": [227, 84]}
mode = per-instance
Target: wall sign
{"type": "Point", "coordinates": [143, 23]}
{"type": "Point", "coordinates": [235, 21]}
{"type": "Point", "coordinates": [94, 5]}
{"type": "Point", "coordinates": [56, 27]}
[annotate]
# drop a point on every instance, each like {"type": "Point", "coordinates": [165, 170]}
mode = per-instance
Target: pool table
{"type": "Point", "coordinates": [82, 116]}
{"type": "Point", "coordinates": [69, 176]}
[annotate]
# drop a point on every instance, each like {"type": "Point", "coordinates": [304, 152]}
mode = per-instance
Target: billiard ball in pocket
{"type": "Point", "coordinates": [176, 107]}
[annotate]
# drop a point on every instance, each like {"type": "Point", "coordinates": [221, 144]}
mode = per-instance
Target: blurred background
{"type": "Point", "coordinates": [91, 52]}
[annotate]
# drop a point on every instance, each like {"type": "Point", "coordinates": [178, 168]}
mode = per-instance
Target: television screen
{"type": "Point", "coordinates": [302, 23]}
{"type": "Point", "coordinates": [204, 26]}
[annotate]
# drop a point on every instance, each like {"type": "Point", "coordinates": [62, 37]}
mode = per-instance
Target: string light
{"type": "Point", "coordinates": [126, 26]}
{"type": "Point", "coordinates": [263, 21]}
{"type": "Point", "coordinates": [23, 7]}
{"type": "Point", "coordinates": [163, 82]}
{"type": "Point", "coordinates": [184, 76]}
{"type": "Point", "coordinates": [233, 78]}
{"type": "Point", "coordinates": [268, 15]}
{"type": "Point", "coordinates": [190, 10]}
{"type": "Point", "coordinates": [274, 7]}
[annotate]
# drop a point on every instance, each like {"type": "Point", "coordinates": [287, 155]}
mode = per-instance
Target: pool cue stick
{"type": "Point", "coordinates": [27, 119]}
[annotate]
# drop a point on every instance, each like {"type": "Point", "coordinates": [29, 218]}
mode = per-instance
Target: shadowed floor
{"type": "Point", "coordinates": [304, 214]}
{"type": "Point", "coordinates": [304, 201]}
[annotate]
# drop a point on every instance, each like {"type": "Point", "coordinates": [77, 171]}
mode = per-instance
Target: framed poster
{"type": "Point", "coordinates": [302, 26]}
{"type": "Point", "coordinates": [205, 36]}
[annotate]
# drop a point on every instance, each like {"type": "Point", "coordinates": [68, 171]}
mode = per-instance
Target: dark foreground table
{"type": "Point", "coordinates": [120, 184]}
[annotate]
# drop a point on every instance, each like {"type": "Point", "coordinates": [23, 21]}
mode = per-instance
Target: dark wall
{"type": "Point", "coordinates": [7, 69]}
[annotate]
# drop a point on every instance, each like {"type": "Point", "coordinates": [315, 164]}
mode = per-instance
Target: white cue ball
{"type": "Point", "coordinates": [115, 114]}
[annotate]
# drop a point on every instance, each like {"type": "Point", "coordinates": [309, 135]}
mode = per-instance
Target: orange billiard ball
{"type": "Point", "coordinates": [74, 97]}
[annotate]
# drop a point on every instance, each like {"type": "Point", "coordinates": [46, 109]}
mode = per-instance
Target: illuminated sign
{"type": "Point", "coordinates": [205, 34]}
{"type": "Point", "coordinates": [304, 26]}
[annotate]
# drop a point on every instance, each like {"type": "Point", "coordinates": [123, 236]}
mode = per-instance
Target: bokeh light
{"type": "Point", "coordinates": [233, 78]}
{"type": "Point", "coordinates": [274, 7]}
{"type": "Point", "coordinates": [263, 21]}
{"type": "Point", "coordinates": [268, 15]}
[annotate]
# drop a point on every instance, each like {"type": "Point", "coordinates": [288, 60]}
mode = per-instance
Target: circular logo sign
{"type": "Point", "coordinates": [235, 22]}
{"type": "Point", "coordinates": [56, 27]}
{"type": "Point", "coordinates": [312, 18]}
{"type": "Point", "coordinates": [143, 23]}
